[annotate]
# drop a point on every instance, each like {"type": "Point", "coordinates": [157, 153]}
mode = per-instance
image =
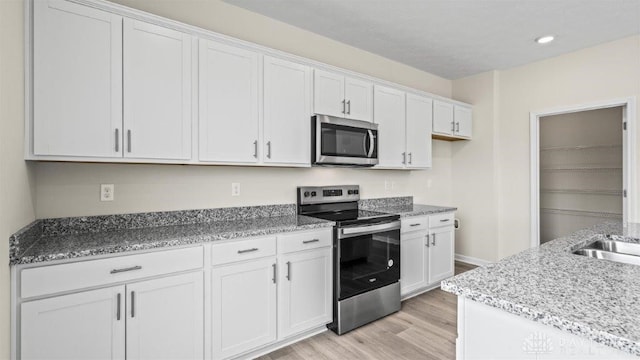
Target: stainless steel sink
{"type": "Point", "coordinates": [619, 251]}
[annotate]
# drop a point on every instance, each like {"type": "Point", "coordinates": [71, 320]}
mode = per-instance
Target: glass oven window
{"type": "Point", "coordinates": [338, 140]}
{"type": "Point", "coordinates": [368, 262]}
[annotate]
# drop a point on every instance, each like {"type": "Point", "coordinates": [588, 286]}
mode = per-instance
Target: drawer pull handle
{"type": "Point", "coordinates": [115, 271]}
{"type": "Point", "coordinates": [310, 241]}
{"type": "Point", "coordinates": [415, 224]}
{"type": "Point", "coordinates": [247, 250]}
{"type": "Point", "coordinates": [445, 220]}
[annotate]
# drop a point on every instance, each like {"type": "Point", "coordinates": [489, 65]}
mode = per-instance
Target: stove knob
{"type": "Point", "coordinates": [306, 194]}
{"type": "Point", "coordinates": [350, 192]}
{"type": "Point", "coordinates": [313, 193]}
{"type": "Point", "coordinates": [356, 192]}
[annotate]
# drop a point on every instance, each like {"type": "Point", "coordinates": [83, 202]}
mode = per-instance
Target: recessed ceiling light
{"type": "Point", "coordinates": [545, 39]}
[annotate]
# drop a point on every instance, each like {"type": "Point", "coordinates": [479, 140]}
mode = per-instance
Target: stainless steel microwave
{"type": "Point", "coordinates": [343, 142]}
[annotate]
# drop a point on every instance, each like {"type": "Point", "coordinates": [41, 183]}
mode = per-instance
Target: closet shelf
{"type": "Point", "coordinates": [570, 212]}
{"type": "Point", "coordinates": [580, 147]}
{"type": "Point", "coordinates": [594, 168]}
{"type": "Point", "coordinates": [583, 191]}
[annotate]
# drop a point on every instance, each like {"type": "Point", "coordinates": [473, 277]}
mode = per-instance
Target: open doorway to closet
{"type": "Point", "coordinates": [582, 166]}
{"type": "Point", "coordinates": [580, 171]}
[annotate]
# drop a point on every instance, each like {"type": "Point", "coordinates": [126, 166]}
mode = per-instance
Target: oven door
{"type": "Point", "coordinates": [345, 142]}
{"type": "Point", "coordinates": [368, 258]}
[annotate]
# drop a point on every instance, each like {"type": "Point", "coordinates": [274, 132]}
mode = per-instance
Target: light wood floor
{"type": "Point", "coordinates": [425, 328]}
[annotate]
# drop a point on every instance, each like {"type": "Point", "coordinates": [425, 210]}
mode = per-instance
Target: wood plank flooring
{"type": "Point", "coordinates": [425, 328]}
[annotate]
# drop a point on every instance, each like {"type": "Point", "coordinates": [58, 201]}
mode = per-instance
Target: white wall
{"type": "Point", "coordinates": [604, 72]}
{"type": "Point", "coordinates": [16, 180]}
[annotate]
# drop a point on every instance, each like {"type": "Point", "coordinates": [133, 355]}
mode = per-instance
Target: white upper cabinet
{"type": "Point", "coordinates": [341, 96]}
{"type": "Point", "coordinates": [287, 113]}
{"type": "Point", "coordinates": [157, 92]}
{"type": "Point", "coordinates": [389, 114]}
{"type": "Point", "coordinates": [419, 120]}
{"type": "Point", "coordinates": [77, 80]}
{"type": "Point", "coordinates": [451, 121]}
{"type": "Point", "coordinates": [229, 104]}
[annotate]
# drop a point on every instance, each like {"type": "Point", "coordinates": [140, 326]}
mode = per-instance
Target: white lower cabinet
{"type": "Point", "coordinates": [262, 295]}
{"type": "Point", "coordinates": [86, 325]}
{"type": "Point", "coordinates": [304, 293]}
{"type": "Point", "coordinates": [426, 252]}
{"type": "Point", "coordinates": [244, 306]}
{"type": "Point", "coordinates": [165, 318]}
{"type": "Point", "coordinates": [162, 319]}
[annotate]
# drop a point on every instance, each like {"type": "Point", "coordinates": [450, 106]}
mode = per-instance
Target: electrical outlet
{"type": "Point", "coordinates": [235, 189]}
{"type": "Point", "coordinates": [107, 192]}
{"type": "Point", "coordinates": [393, 185]}
{"type": "Point", "coordinates": [387, 185]}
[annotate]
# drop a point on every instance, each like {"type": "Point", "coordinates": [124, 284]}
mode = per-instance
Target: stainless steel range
{"type": "Point", "coordinates": [366, 255]}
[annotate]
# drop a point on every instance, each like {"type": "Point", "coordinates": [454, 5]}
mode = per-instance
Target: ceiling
{"type": "Point", "coordinates": [458, 38]}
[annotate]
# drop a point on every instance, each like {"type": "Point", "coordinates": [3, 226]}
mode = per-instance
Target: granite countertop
{"type": "Point", "coordinates": [63, 241]}
{"type": "Point", "coordinates": [415, 210]}
{"type": "Point", "coordinates": [592, 298]}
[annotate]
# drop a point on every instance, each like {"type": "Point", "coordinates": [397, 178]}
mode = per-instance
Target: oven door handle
{"type": "Point", "coordinates": [368, 229]}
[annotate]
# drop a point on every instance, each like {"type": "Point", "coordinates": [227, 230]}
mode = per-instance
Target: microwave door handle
{"type": "Point", "coordinates": [371, 144]}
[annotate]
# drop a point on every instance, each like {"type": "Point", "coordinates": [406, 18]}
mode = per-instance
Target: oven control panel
{"type": "Point", "coordinates": [327, 194]}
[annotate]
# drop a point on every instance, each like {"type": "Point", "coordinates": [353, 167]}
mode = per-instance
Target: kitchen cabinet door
{"type": "Point", "coordinates": [389, 114]}
{"type": "Point", "coordinates": [77, 80]}
{"type": "Point", "coordinates": [413, 261]}
{"type": "Point", "coordinates": [287, 113]}
{"type": "Point", "coordinates": [165, 318]}
{"type": "Point", "coordinates": [443, 123]}
{"type": "Point", "coordinates": [462, 117]}
{"type": "Point", "coordinates": [229, 104]}
{"type": "Point", "coordinates": [328, 93]}
{"type": "Point", "coordinates": [244, 306]}
{"type": "Point", "coordinates": [85, 325]}
{"type": "Point", "coordinates": [359, 97]}
{"type": "Point", "coordinates": [305, 291]}
{"type": "Point", "coordinates": [419, 124]}
{"type": "Point", "coordinates": [157, 92]}
{"type": "Point", "coordinates": [441, 252]}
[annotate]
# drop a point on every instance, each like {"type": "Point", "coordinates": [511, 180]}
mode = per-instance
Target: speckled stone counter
{"type": "Point", "coordinates": [57, 239]}
{"type": "Point", "coordinates": [402, 206]}
{"type": "Point", "coordinates": [593, 298]}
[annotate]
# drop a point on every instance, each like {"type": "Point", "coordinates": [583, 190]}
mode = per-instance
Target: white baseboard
{"type": "Point", "coordinates": [472, 260]}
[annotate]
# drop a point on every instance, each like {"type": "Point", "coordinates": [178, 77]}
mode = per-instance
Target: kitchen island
{"type": "Point", "coordinates": [548, 303]}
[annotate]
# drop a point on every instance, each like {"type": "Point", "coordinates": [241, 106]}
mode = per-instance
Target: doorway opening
{"type": "Point", "coordinates": [582, 166]}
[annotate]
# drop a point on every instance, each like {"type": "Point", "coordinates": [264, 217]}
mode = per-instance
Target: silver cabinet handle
{"type": "Point", "coordinates": [117, 140]}
{"type": "Point", "coordinates": [417, 224]}
{"type": "Point", "coordinates": [289, 270]}
{"type": "Point", "coordinates": [128, 140]}
{"type": "Point", "coordinates": [344, 107]}
{"type": "Point", "coordinates": [458, 126]}
{"type": "Point", "coordinates": [310, 241]}
{"type": "Point", "coordinates": [349, 107]}
{"type": "Point", "coordinates": [118, 309]}
{"type": "Point", "coordinates": [274, 273]}
{"type": "Point", "coordinates": [404, 157]}
{"type": "Point", "coordinates": [269, 149]}
{"type": "Point", "coordinates": [247, 250]}
{"type": "Point", "coordinates": [133, 304]}
{"type": "Point", "coordinates": [433, 241]}
{"type": "Point", "coordinates": [410, 158]}
{"type": "Point", "coordinates": [444, 220]}
{"type": "Point", "coordinates": [453, 126]}
{"type": "Point", "coordinates": [255, 149]}
{"type": "Point", "coordinates": [115, 271]}
{"type": "Point", "coordinates": [427, 236]}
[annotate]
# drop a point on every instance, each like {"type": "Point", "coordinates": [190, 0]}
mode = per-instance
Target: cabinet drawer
{"type": "Point", "coordinates": [83, 274]}
{"type": "Point", "coordinates": [438, 220]}
{"type": "Point", "coordinates": [414, 223]}
{"type": "Point", "coordinates": [304, 240]}
{"type": "Point", "coordinates": [243, 250]}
